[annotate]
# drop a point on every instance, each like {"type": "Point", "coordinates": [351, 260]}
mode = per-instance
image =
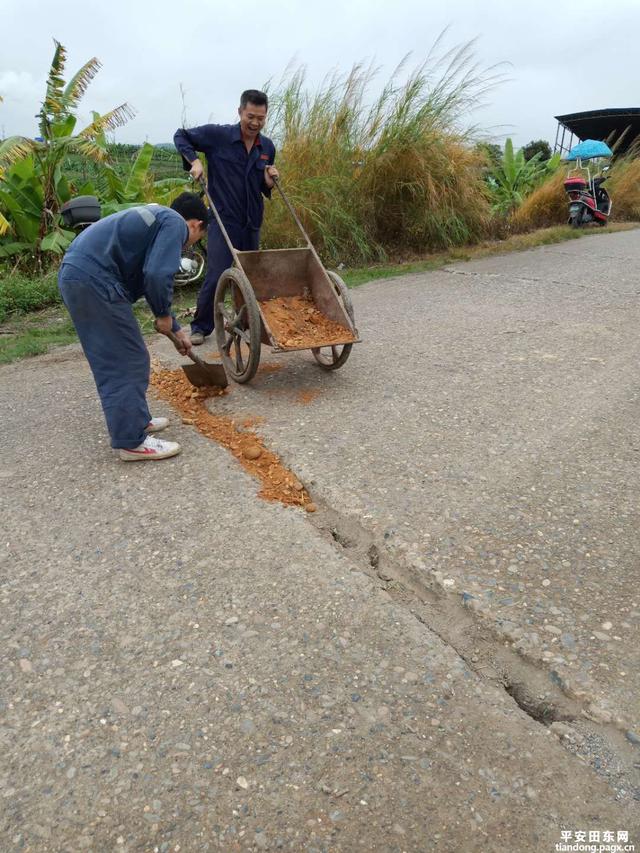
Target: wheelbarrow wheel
{"type": "Point", "coordinates": [238, 325]}
{"type": "Point", "coordinates": [331, 358]}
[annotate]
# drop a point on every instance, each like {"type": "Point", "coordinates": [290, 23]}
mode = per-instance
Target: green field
{"type": "Point", "coordinates": [165, 164]}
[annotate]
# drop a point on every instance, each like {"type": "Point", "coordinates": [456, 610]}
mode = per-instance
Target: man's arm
{"type": "Point", "coordinates": [160, 266]}
{"type": "Point", "coordinates": [190, 141]}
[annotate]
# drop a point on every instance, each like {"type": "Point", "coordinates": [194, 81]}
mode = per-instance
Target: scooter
{"type": "Point", "coordinates": [81, 212]}
{"type": "Point", "coordinates": [588, 199]}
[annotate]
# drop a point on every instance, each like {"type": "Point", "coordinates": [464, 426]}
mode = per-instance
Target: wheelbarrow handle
{"type": "Point", "coordinates": [203, 184]}
{"type": "Point", "coordinates": [292, 211]}
{"type": "Point", "coordinates": [296, 218]}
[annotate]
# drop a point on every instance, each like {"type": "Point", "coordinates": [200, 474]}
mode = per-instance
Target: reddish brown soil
{"type": "Point", "coordinates": [270, 367]}
{"type": "Point", "coordinates": [306, 397]}
{"type": "Point", "coordinates": [278, 483]}
{"type": "Point", "coordinates": [296, 322]}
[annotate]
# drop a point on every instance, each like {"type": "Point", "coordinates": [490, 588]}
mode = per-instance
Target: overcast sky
{"type": "Point", "coordinates": [564, 56]}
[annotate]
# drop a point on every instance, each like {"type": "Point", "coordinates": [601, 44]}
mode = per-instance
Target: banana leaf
{"type": "Point", "coordinates": [57, 241]}
{"type": "Point", "coordinates": [9, 249]}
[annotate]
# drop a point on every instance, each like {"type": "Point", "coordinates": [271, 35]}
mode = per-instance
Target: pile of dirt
{"type": "Point", "coordinates": [296, 322]}
{"type": "Point", "coordinates": [278, 483]}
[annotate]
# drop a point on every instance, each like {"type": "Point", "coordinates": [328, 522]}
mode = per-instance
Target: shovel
{"type": "Point", "coordinates": [201, 373]}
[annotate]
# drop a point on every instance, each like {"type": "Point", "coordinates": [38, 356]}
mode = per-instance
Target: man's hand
{"type": "Point", "coordinates": [269, 174]}
{"type": "Point", "coordinates": [184, 341]}
{"type": "Point", "coordinates": [197, 170]}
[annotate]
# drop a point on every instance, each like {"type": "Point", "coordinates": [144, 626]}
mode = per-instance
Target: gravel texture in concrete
{"type": "Point", "coordinates": [486, 432]}
{"type": "Point", "coordinates": [186, 667]}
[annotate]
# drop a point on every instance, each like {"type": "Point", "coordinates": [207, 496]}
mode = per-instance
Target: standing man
{"type": "Point", "coordinates": [112, 264]}
{"type": "Point", "coordinates": [240, 171]}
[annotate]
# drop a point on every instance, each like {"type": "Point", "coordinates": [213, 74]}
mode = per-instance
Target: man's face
{"type": "Point", "coordinates": [197, 230]}
{"type": "Point", "coordinates": [252, 119]}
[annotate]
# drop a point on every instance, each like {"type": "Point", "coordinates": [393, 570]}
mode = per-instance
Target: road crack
{"type": "Point", "coordinates": [487, 652]}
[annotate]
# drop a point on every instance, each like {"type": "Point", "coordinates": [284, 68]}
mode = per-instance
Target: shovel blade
{"type": "Point", "coordinates": [206, 376]}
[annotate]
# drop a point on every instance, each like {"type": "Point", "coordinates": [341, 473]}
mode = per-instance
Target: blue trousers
{"type": "Point", "coordinates": [115, 349]}
{"type": "Point", "coordinates": [219, 259]}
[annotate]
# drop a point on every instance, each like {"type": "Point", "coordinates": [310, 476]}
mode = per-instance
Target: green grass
{"type": "Point", "coordinates": [34, 334]}
{"type": "Point", "coordinates": [28, 333]}
{"type": "Point", "coordinates": [21, 293]}
{"type": "Point", "coordinates": [33, 318]}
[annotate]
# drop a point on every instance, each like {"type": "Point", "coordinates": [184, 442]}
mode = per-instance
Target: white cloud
{"type": "Point", "coordinates": [18, 86]}
{"type": "Point", "coordinates": [218, 49]}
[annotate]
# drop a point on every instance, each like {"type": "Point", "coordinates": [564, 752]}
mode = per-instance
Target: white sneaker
{"type": "Point", "coordinates": [151, 448]}
{"type": "Point", "coordinates": [156, 425]}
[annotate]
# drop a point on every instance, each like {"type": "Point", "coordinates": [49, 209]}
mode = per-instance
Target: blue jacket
{"type": "Point", "coordinates": [137, 251]}
{"type": "Point", "coordinates": [235, 176]}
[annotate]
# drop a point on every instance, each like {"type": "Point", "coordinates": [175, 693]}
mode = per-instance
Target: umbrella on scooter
{"type": "Point", "coordinates": [589, 149]}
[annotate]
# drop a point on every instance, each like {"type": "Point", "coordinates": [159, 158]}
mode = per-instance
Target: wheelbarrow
{"type": "Point", "coordinates": [241, 303]}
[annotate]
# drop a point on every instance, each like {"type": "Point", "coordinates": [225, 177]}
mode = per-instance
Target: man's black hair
{"type": "Point", "coordinates": [190, 206]}
{"type": "Point", "coordinates": [255, 97]}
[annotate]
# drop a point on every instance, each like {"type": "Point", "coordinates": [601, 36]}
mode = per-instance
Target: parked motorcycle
{"type": "Point", "coordinates": [81, 212]}
{"type": "Point", "coordinates": [589, 201]}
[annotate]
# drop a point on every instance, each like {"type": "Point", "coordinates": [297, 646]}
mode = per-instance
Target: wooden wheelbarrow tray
{"type": "Point", "coordinates": [256, 277]}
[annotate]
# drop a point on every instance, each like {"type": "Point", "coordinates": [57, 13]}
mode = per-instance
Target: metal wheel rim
{"type": "Point", "coordinates": [181, 277]}
{"type": "Point", "coordinates": [328, 356]}
{"type": "Point", "coordinates": [234, 332]}
{"type": "Point", "coordinates": [335, 356]}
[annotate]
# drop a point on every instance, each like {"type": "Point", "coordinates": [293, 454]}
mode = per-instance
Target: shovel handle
{"type": "Point", "coordinates": [194, 358]}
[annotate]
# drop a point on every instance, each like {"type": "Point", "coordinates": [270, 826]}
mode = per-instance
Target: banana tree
{"type": "Point", "coordinates": [117, 192]}
{"type": "Point", "coordinates": [513, 177]}
{"type": "Point", "coordinates": [58, 140]}
{"type": "Point", "coordinates": [21, 195]}
{"type": "Point", "coordinates": [10, 151]}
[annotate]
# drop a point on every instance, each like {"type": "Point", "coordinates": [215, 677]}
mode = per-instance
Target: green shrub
{"type": "Point", "coordinates": [20, 293]}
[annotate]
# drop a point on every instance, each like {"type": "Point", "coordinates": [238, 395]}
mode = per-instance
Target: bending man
{"type": "Point", "coordinates": [240, 166]}
{"type": "Point", "coordinates": [112, 264]}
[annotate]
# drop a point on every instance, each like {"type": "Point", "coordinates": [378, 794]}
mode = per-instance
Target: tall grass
{"type": "Point", "coordinates": [624, 187]}
{"type": "Point", "coordinates": [375, 176]}
{"type": "Point", "coordinates": [544, 207]}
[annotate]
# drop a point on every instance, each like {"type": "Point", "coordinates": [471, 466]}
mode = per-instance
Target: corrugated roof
{"type": "Point", "coordinates": [606, 124]}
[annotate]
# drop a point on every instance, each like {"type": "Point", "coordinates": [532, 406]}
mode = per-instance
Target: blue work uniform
{"type": "Point", "coordinates": [236, 184]}
{"type": "Point", "coordinates": [112, 264]}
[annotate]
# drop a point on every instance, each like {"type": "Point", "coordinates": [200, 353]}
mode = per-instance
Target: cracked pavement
{"type": "Point", "coordinates": [186, 667]}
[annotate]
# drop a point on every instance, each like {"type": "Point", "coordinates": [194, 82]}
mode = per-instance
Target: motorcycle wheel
{"type": "Point", "coordinates": [198, 256]}
{"type": "Point", "coordinates": [575, 220]}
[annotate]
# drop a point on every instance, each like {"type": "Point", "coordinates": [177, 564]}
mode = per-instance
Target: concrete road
{"type": "Point", "coordinates": [485, 434]}
{"type": "Point", "coordinates": [443, 657]}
